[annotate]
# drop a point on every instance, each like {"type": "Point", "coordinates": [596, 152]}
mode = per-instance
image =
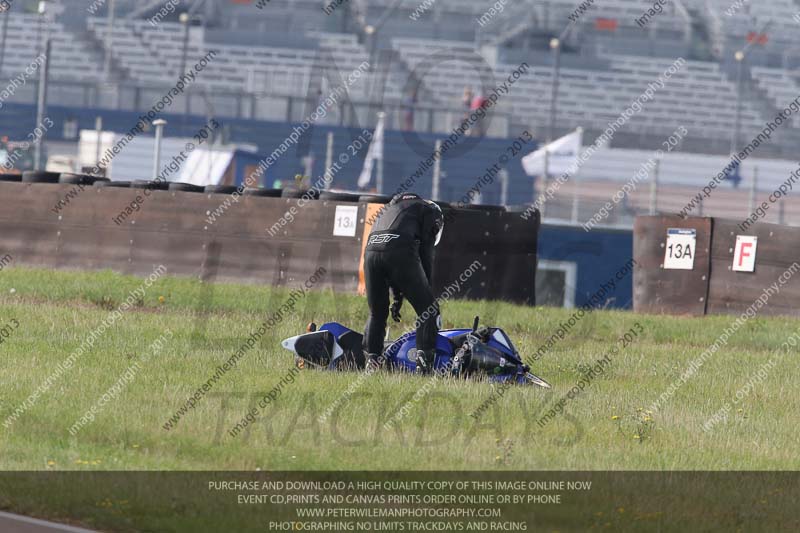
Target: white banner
{"type": "Point", "coordinates": [561, 155]}
{"type": "Point", "coordinates": [374, 153]}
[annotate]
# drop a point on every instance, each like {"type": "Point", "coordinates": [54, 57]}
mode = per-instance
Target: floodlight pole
{"type": "Point", "coordinates": [555, 46]}
{"type": "Point", "coordinates": [109, 39]}
{"type": "Point", "coordinates": [41, 104]}
{"type": "Point", "coordinates": [739, 57]}
{"type": "Point", "coordinates": [184, 19]}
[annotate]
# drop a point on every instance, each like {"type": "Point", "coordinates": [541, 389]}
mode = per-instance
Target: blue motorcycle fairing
{"type": "Point", "coordinates": [402, 352]}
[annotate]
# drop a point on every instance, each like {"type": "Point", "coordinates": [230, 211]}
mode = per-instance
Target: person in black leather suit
{"type": "Point", "coordinates": [399, 257]}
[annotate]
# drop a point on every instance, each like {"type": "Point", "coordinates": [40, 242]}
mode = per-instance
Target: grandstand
{"type": "Point", "coordinates": [273, 64]}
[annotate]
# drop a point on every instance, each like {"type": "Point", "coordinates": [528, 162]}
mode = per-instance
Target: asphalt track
{"type": "Point", "coordinates": [13, 523]}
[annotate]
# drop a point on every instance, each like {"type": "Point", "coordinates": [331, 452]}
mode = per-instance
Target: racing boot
{"type": "Point", "coordinates": [425, 359]}
{"type": "Point", "coordinates": [375, 362]}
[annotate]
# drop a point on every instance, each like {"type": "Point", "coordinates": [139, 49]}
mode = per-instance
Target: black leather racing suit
{"type": "Point", "coordinates": [399, 256]}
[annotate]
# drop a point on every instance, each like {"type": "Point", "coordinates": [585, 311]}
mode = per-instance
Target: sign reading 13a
{"type": "Point", "coordinates": [680, 249]}
{"type": "Point", "coordinates": [345, 221]}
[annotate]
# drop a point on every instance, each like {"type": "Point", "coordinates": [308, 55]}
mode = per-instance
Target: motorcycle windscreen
{"type": "Point", "coordinates": [488, 360]}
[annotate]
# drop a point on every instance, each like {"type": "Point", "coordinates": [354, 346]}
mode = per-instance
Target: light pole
{"type": "Point", "coordinates": [41, 93]}
{"type": "Point", "coordinates": [109, 40]}
{"type": "Point", "coordinates": [739, 57]}
{"type": "Point", "coordinates": [555, 46]}
{"type": "Point", "coordinates": [184, 18]}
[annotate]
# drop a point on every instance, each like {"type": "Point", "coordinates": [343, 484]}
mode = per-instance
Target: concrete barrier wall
{"type": "Point", "coordinates": [171, 228]}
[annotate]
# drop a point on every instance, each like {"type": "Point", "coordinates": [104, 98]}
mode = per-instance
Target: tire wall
{"type": "Point", "coordinates": [275, 241]}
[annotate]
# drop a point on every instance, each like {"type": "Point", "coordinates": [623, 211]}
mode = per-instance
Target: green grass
{"type": "Point", "coordinates": [56, 310]}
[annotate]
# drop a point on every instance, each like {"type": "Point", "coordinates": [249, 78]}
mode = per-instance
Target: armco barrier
{"type": "Point", "coordinates": [171, 229]}
{"type": "Point", "coordinates": [713, 285]}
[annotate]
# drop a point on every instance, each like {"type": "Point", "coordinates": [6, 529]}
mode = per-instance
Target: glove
{"type": "Point", "coordinates": [395, 309]}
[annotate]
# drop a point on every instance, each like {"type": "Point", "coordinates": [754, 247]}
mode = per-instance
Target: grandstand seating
{"type": "Point", "coordinates": [780, 86]}
{"type": "Point", "coordinates": [698, 97]}
{"type": "Point", "coordinates": [152, 56]}
{"type": "Point", "coordinates": [71, 58]}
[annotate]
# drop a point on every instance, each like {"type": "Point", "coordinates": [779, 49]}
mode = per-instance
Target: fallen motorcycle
{"type": "Point", "coordinates": [479, 352]}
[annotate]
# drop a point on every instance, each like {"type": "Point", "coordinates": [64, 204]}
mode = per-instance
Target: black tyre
{"type": "Point", "coordinates": [478, 207]}
{"type": "Point", "coordinates": [11, 177]}
{"type": "Point", "coordinates": [268, 193]}
{"type": "Point", "coordinates": [311, 194]}
{"type": "Point", "coordinates": [38, 176]}
{"type": "Point", "coordinates": [185, 187]}
{"type": "Point", "coordinates": [374, 199]}
{"type": "Point", "coordinates": [521, 208]}
{"type": "Point", "coordinates": [221, 189]}
{"type": "Point", "coordinates": [111, 183]}
{"type": "Point", "coordinates": [79, 179]}
{"type": "Point", "coordinates": [339, 196]}
{"type": "Point", "coordinates": [152, 185]}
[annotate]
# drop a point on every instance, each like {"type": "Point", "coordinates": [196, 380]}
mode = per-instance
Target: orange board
{"type": "Point", "coordinates": [369, 217]}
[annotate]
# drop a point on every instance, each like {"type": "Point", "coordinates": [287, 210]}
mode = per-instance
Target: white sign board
{"type": "Point", "coordinates": [345, 221]}
{"type": "Point", "coordinates": [744, 255]}
{"type": "Point", "coordinates": [680, 249]}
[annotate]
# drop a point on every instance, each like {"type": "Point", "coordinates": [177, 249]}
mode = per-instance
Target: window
{"type": "Point", "coordinates": [555, 283]}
